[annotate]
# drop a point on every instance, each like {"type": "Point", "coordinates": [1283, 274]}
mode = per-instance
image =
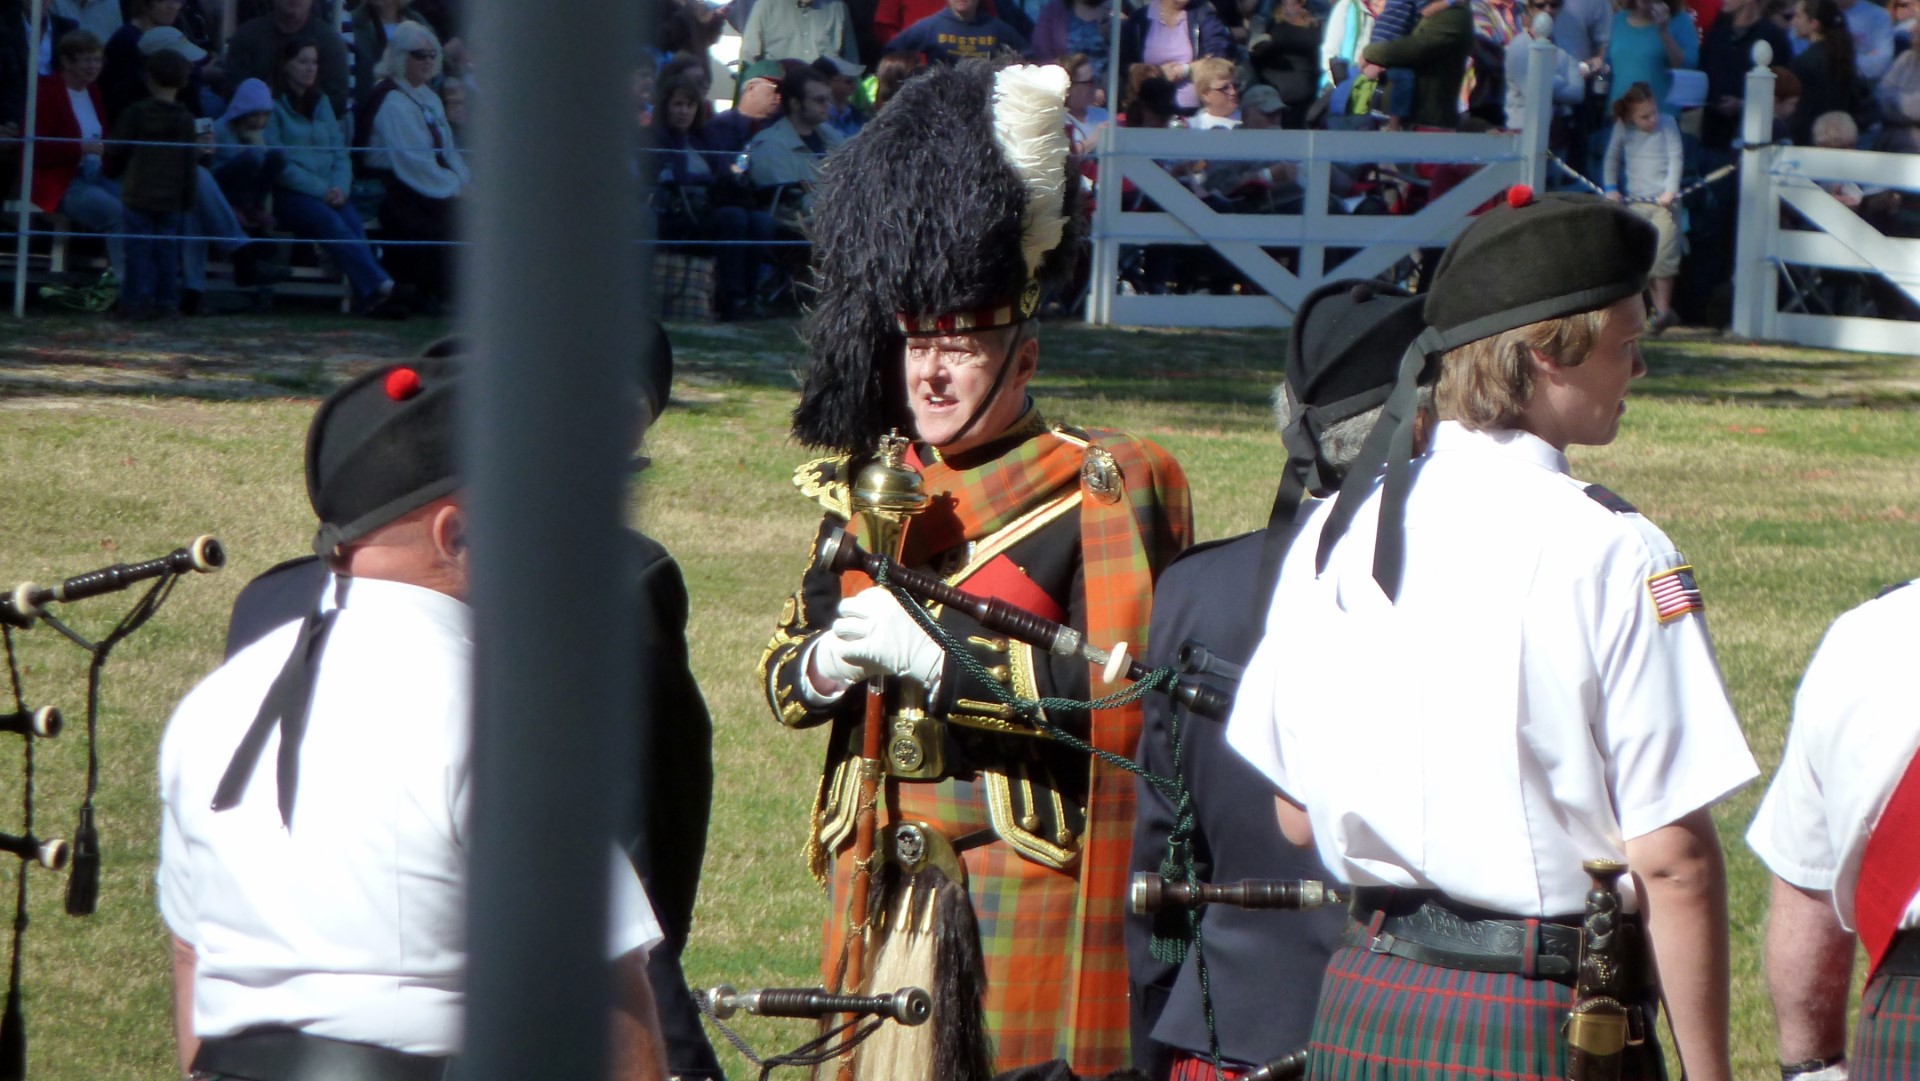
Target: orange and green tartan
{"type": "Point", "coordinates": [1056, 959]}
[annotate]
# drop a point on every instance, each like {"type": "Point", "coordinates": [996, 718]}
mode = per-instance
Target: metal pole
{"type": "Point", "coordinates": [29, 124]}
{"type": "Point", "coordinates": [553, 300]}
{"type": "Point", "coordinates": [1754, 285]}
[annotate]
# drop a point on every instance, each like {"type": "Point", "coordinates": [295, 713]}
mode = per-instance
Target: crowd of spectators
{"type": "Point", "coordinates": [293, 118]}
{"type": "Point", "coordinates": [344, 126]}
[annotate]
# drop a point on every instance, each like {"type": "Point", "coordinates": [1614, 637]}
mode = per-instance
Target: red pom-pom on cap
{"type": "Point", "coordinates": [402, 383]}
{"type": "Point", "coordinates": [1519, 195]}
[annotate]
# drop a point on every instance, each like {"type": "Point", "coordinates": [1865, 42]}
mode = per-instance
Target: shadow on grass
{"type": "Point", "coordinates": [305, 354]}
{"type": "Point", "coordinates": [1712, 369]}
{"type": "Point", "coordinates": [296, 354]}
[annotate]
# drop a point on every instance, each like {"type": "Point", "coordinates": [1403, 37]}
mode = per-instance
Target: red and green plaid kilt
{"type": "Point", "coordinates": [1886, 1042]}
{"type": "Point", "coordinates": [1187, 1067]}
{"type": "Point", "coordinates": [1383, 1017]}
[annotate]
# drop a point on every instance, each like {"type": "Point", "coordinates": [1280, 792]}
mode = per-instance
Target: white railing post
{"type": "Point", "coordinates": [1755, 285]}
{"type": "Point", "coordinates": [28, 128]}
{"type": "Point", "coordinates": [1103, 275]}
{"type": "Point", "coordinates": [1536, 126]}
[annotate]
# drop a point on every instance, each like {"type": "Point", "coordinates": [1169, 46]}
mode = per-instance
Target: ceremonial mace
{"type": "Point", "coordinates": [839, 552]}
{"type": "Point", "coordinates": [886, 492]}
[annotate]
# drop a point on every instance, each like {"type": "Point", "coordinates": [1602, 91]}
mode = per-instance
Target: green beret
{"type": "Point", "coordinates": [1535, 257]}
{"type": "Point", "coordinates": [380, 447]}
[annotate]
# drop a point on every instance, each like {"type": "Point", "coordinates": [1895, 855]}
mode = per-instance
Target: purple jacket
{"type": "Point", "coordinates": [1206, 33]}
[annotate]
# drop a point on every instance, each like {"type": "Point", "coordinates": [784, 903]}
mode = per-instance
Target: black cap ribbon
{"type": "Point", "coordinates": [287, 704]}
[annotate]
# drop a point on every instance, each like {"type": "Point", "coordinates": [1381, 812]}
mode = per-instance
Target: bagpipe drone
{"type": "Point", "coordinates": [22, 608]}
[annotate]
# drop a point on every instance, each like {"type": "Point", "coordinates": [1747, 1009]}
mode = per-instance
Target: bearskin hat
{"type": "Point", "coordinates": [955, 209]}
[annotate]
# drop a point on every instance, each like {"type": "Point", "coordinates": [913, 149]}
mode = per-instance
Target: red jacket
{"type": "Point", "coordinates": [56, 164]}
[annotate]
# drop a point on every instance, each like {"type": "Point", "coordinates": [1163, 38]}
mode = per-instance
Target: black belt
{"type": "Point", "coordinates": [1903, 957]}
{"type": "Point", "coordinates": [1428, 927]}
{"type": "Point", "coordinates": [287, 1055]}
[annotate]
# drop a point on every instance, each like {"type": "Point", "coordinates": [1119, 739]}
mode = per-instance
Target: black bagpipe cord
{"type": "Point", "coordinates": [13, 1023]}
{"type": "Point", "coordinates": [83, 880]}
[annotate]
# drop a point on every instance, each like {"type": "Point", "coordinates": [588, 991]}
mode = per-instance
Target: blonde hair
{"type": "Point", "coordinates": [1835, 129]}
{"type": "Point", "coordinates": [1207, 69]}
{"type": "Point", "coordinates": [1486, 384]}
{"type": "Point", "coordinates": [401, 40]}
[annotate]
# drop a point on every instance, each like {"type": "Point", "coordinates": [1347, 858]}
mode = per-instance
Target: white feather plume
{"type": "Point", "coordinates": [1030, 124]}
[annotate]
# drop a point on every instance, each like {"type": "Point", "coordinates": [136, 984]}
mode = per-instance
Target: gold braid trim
{"type": "Point", "coordinates": [824, 480]}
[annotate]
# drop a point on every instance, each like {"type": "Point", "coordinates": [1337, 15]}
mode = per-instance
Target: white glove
{"type": "Point", "coordinates": [874, 636]}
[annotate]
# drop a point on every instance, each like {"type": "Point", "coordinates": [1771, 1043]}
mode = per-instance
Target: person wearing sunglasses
{"type": "Point", "coordinates": [412, 148]}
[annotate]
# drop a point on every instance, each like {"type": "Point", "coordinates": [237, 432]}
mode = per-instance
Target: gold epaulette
{"type": "Point", "coordinates": [824, 481]}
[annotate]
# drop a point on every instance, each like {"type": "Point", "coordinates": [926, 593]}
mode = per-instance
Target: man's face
{"type": "Point", "coordinates": [815, 104]}
{"type": "Point", "coordinates": [292, 12]}
{"type": "Point", "coordinates": [842, 87]}
{"type": "Point", "coordinates": [963, 9]}
{"type": "Point", "coordinates": [1582, 404]}
{"type": "Point", "coordinates": [760, 97]}
{"type": "Point", "coordinates": [949, 377]}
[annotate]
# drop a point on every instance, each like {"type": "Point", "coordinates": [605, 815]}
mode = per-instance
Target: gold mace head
{"type": "Point", "coordinates": [886, 492]}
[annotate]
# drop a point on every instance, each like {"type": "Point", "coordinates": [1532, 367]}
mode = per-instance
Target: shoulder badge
{"type": "Point", "coordinates": [1100, 475]}
{"type": "Point", "coordinates": [1675, 593]}
{"type": "Point", "coordinates": [1601, 495]}
{"type": "Point", "coordinates": [823, 480]}
{"type": "Point", "coordinates": [1894, 588]}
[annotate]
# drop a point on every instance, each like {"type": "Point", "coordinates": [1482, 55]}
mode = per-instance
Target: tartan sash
{"type": "Point", "coordinates": [1127, 534]}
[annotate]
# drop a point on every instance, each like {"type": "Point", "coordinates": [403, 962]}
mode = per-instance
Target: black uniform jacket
{"type": "Point", "coordinates": [1264, 966]}
{"type": "Point", "coordinates": [983, 739]}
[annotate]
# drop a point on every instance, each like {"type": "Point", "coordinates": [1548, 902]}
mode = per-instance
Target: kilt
{"type": "Point", "coordinates": [1191, 1067]}
{"type": "Point", "coordinates": [1886, 1042]}
{"type": "Point", "coordinates": [1027, 922]}
{"type": "Point", "coordinates": [1383, 1017]}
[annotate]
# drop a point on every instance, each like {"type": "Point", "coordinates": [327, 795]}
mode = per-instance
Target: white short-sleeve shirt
{"type": "Point", "coordinates": [1856, 726]}
{"type": "Point", "coordinates": [351, 924]}
{"type": "Point", "coordinates": [1522, 708]}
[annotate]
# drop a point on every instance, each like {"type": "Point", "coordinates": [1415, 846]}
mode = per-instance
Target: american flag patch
{"type": "Point", "coordinates": [1675, 593]}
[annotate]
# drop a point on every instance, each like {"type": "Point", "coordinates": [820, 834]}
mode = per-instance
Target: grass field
{"type": "Point", "coordinates": [1791, 479]}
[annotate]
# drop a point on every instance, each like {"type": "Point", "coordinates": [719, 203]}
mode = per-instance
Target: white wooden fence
{"type": "Point", "coordinates": [1777, 177]}
{"type": "Point", "coordinates": [1179, 217]}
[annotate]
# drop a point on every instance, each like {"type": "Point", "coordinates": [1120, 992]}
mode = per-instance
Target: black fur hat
{"type": "Point", "coordinates": [926, 220]}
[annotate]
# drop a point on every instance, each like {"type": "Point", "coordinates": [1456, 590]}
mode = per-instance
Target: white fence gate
{"type": "Point", "coordinates": [1377, 242]}
{"type": "Point", "coordinates": [1777, 177]}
